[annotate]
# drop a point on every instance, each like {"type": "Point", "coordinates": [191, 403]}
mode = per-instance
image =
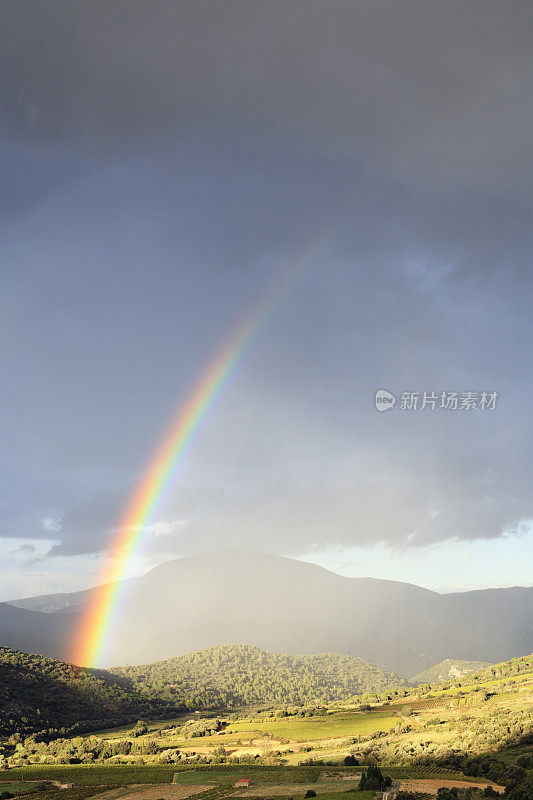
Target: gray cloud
{"type": "Point", "coordinates": [418, 488]}
{"type": "Point", "coordinates": [163, 163]}
{"type": "Point", "coordinates": [432, 92]}
{"type": "Point", "coordinates": [87, 525]}
{"type": "Point", "coordinates": [291, 519]}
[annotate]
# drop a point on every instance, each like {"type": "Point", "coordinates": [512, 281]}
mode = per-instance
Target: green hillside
{"type": "Point", "coordinates": [230, 676]}
{"type": "Point", "coordinates": [41, 695]}
{"type": "Point", "coordinates": [507, 673]}
{"type": "Point", "coordinates": [515, 666]}
{"type": "Point", "coordinates": [474, 733]}
{"type": "Point", "coordinates": [450, 669]}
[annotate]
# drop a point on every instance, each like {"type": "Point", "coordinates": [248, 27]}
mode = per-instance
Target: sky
{"type": "Point", "coordinates": [162, 164]}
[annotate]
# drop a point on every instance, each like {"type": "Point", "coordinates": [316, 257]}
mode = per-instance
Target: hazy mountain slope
{"type": "Point", "coordinates": [39, 694]}
{"type": "Point", "coordinates": [35, 632]}
{"type": "Point", "coordinates": [450, 669]}
{"type": "Point", "coordinates": [237, 675]}
{"type": "Point", "coordinates": [60, 602]}
{"type": "Point", "coordinates": [290, 606]}
{"type": "Point", "coordinates": [51, 603]}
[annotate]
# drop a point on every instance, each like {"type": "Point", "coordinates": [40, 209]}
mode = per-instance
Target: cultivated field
{"type": "Point", "coordinates": [155, 792]}
{"type": "Point", "coordinates": [93, 775]}
{"type": "Point", "coordinates": [332, 726]}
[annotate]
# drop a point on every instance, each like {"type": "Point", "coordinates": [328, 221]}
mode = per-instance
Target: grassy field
{"type": "Point", "coordinates": [16, 788]}
{"type": "Point", "coordinates": [49, 792]}
{"type": "Point", "coordinates": [332, 726]}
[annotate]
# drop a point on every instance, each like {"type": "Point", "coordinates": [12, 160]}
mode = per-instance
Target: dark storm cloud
{"type": "Point", "coordinates": [86, 526]}
{"type": "Point", "coordinates": [431, 91]}
{"type": "Point", "coordinates": [162, 163]}
{"type": "Point", "coordinates": [409, 295]}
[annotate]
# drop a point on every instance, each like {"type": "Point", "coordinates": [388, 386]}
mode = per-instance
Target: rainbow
{"type": "Point", "coordinates": [93, 635]}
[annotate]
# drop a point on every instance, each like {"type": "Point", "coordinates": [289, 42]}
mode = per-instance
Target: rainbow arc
{"type": "Point", "coordinates": [98, 622]}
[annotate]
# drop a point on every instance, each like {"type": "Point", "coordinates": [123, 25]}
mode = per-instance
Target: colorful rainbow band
{"type": "Point", "coordinates": [93, 635]}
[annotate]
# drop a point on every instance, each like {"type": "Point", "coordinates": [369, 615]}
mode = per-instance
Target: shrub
{"type": "Point", "coordinates": [351, 761]}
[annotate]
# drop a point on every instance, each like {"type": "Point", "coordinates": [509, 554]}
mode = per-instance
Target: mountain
{"type": "Point", "coordinates": [41, 695]}
{"type": "Point", "coordinates": [450, 669]}
{"type": "Point", "coordinates": [280, 604]}
{"type": "Point", "coordinates": [243, 675]}
{"type": "Point", "coordinates": [36, 632]}
{"type": "Point", "coordinates": [69, 602]}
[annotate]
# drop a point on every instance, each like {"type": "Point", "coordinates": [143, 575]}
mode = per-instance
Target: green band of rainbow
{"type": "Point", "coordinates": [95, 629]}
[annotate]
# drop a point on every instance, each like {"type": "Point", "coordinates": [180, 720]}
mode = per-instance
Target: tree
{"type": "Point", "coordinates": [373, 779]}
{"type": "Point", "coordinates": [351, 761]}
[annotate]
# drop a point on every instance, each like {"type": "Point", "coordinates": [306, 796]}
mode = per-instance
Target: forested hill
{"type": "Point", "coordinates": [450, 669]}
{"type": "Point", "coordinates": [515, 666]}
{"type": "Point", "coordinates": [489, 675]}
{"type": "Point", "coordinates": [41, 695]}
{"type": "Point", "coordinates": [229, 676]}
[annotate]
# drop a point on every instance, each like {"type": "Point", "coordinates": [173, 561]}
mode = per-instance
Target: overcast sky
{"type": "Point", "coordinates": [161, 164]}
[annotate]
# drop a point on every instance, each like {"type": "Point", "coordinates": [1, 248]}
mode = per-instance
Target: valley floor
{"type": "Point", "coordinates": [469, 734]}
{"type": "Point", "coordinates": [330, 784]}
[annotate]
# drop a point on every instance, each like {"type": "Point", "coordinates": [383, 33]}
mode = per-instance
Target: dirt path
{"type": "Point", "coordinates": [391, 793]}
{"type": "Point", "coordinates": [411, 719]}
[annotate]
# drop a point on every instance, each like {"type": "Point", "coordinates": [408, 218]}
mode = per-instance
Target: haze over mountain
{"type": "Point", "coordinates": [35, 632]}
{"type": "Point", "coordinates": [281, 604]}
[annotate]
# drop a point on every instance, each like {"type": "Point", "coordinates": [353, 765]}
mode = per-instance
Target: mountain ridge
{"type": "Point", "coordinates": [57, 601]}
{"type": "Point", "coordinates": [284, 605]}
{"type": "Point", "coordinates": [49, 603]}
